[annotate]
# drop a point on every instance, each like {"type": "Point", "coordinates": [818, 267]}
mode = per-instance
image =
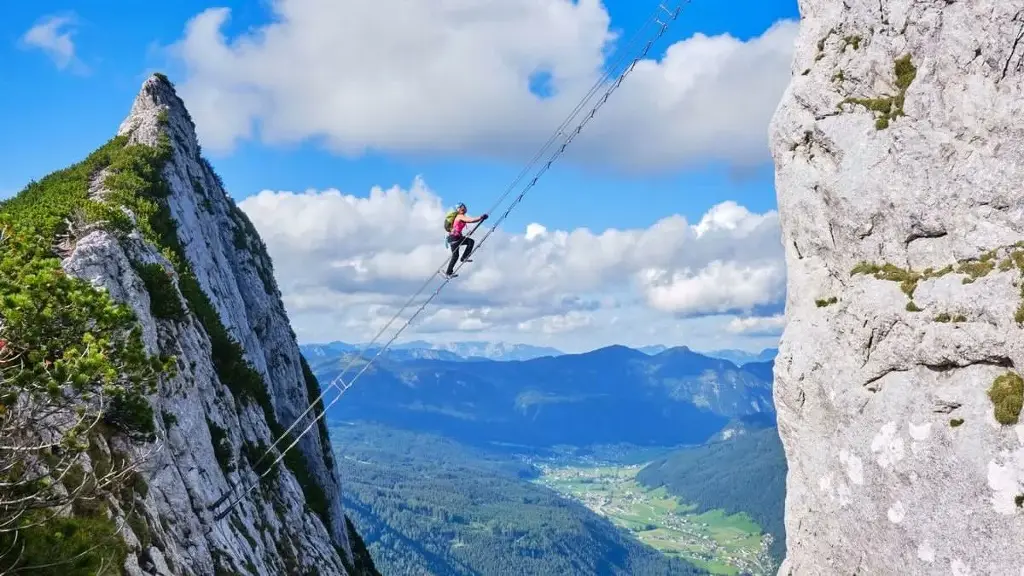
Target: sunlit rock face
{"type": "Point", "coordinates": [899, 150]}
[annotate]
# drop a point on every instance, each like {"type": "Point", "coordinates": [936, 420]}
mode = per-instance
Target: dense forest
{"type": "Point", "coordinates": [428, 505]}
{"type": "Point", "coordinates": [745, 473]}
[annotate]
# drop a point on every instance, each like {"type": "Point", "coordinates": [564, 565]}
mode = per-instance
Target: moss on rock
{"type": "Point", "coordinates": [889, 107]}
{"type": "Point", "coordinates": [1007, 396]}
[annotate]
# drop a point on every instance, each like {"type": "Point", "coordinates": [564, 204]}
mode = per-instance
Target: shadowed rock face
{"type": "Point", "coordinates": [206, 434]}
{"type": "Point", "coordinates": [899, 150]}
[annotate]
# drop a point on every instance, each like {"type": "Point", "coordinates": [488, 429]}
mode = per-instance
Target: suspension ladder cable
{"type": "Point", "coordinates": [366, 346]}
{"type": "Point", "coordinates": [671, 15]}
{"type": "Point", "coordinates": [624, 53]}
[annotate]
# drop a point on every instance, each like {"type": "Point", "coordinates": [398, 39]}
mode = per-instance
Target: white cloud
{"type": "Point", "coordinates": [759, 325]}
{"type": "Point", "coordinates": [52, 35]}
{"type": "Point", "coordinates": [557, 323]}
{"type": "Point", "coordinates": [346, 264]}
{"type": "Point", "coordinates": [453, 76]}
{"type": "Point", "coordinates": [717, 288]}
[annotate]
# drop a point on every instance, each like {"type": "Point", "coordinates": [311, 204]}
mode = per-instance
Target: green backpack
{"type": "Point", "coordinates": [449, 219]}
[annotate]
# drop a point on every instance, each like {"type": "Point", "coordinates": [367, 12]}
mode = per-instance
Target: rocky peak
{"type": "Point", "coordinates": [898, 168]}
{"type": "Point", "coordinates": [198, 277]}
{"type": "Point", "coordinates": [158, 109]}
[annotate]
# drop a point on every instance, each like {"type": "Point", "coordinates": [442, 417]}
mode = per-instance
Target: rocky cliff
{"type": "Point", "coordinates": [899, 150]}
{"type": "Point", "coordinates": [190, 266]}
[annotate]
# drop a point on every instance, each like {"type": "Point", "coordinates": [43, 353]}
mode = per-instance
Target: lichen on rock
{"type": "Point", "coordinates": [890, 106]}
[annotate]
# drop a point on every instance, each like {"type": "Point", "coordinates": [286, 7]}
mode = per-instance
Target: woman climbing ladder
{"type": "Point", "coordinates": [454, 224]}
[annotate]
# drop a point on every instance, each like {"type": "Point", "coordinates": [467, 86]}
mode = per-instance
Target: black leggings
{"type": "Point", "coordinates": [454, 242]}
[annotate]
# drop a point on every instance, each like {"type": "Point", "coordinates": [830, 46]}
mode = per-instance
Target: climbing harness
{"type": "Point", "coordinates": [655, 18]}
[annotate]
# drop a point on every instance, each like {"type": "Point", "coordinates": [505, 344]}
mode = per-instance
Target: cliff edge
{"type": "Point", "coordinates": [899, 150]}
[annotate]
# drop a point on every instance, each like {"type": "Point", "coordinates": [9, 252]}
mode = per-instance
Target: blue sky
{"type": "Point", "coordinates": [54, 116]}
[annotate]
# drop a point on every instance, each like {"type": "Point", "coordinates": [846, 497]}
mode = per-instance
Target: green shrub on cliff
{"type": "Point", "coordinates": [67, 350]}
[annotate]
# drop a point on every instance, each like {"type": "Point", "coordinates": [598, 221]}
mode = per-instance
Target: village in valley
{"type": "Point", "coordinates": [722, 544]}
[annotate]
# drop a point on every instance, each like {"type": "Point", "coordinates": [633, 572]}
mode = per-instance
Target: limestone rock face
{"type": "Point", "coordinates": [899, 150]}
{"type": "Point", "coordinates": [203, 429]}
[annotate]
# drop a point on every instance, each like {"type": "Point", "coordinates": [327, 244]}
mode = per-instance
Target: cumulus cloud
{"type": "Point", "coordinates": [450, 76]}
{"type": "Point", "coordinates": [52, 35]}
{"type": "Point", "coordinates": [346, 264]}
{"type": "Point", "coordinates": [718, 288]}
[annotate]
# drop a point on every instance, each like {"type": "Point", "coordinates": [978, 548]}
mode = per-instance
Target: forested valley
{"type": "Point", "coordinates": [496, 467]}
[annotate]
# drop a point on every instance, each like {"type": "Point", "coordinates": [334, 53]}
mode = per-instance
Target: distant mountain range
{"type": "Point", "coordinates": [738, 357]}
{"type": "Point", "coordinates": [609, 395]}
{"type": "Point", "coordinates": [501, 351]}
{"type": "Point", "coordinates": [452, 351]}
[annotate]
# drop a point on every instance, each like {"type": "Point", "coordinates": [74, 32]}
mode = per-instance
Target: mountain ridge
{"type": "Point", "coordinates": [558, 399]}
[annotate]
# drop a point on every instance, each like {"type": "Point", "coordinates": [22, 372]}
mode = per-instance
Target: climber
{"type": "Point", "coordinates": [454, 222]}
